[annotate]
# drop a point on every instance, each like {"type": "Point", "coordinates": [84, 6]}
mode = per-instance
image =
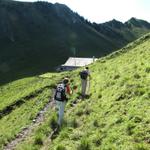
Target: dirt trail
{"type": "Point", "coordinates": [7, 110]}
{"type": "Point", "coordinates": [36, 122]}
{"type": "Point", "coordinates": [28, 130]}
{"type": "Point", "coordinates": [54, 133]}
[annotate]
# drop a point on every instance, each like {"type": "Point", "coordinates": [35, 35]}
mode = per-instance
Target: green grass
{"type": "Point", "coordinates": [20, 89]}
{"type": "Point", "coordinates": [116, 116]}
{"type": "Point", "coordinates": [35, 92]}
{"type": "Point", "coordinates": [21, 117]}
{"type": "Point", "coordinates": [119, 106]}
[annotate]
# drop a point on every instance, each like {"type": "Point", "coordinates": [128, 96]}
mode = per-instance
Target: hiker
{"type": "Point", "coordinates": [85, 81]}
{"type": "Point", "coordinates": [61, 98]}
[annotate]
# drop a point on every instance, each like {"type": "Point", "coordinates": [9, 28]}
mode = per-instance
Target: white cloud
{"type": "Point", "coordinates": [105, 10]}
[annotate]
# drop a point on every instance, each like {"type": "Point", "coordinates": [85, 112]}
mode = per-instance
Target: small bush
{"type": "Point", "coordinates": [102, 61]}
{"type": "Point", "coordinates": [139, 92]}
{"type": "Point", "coordinates": [53, 122]}
{"type": "Point", "coordinates": [73, 123]}
{"type": "Point", "coordinates": [137, 119]}
{"type": "Point", "coordinates": [141, 147]}
{"type": "Point", "coordinates": [38, 140]}
{"type": "Point", "coordinates": [147, 70]}
{"type": "Point", "coordinates": [97, 140]}
{"type": "Point", "coordinates": [87, 111]}
{"type": "Point", "coordinates": [84, 145]}
{"type": "Point", "coordinates": [79, 112]}
{"type": "Point", "coordinates": [60, 147]}
{"type": "Point", "coordinates": [95, 123]}
{"type": "Point", "coordinates": [77, 135]}
{"type": "Point", "coordinates": [99, 96]}
{"type": "Point", "coordinates": [119, 120]}
{"type": "Point", "coordinates": [135, 66]}
{"type": "Point", "coordinates": [147, 96]}
{"type": "Point", "coordinates": [116, 76]}
{"type": "Point", "coordinates": [142, 63]}
{"type": "Point", "coordinates": [130, 128]}
{"type": "Point", "coordinates": [137, 76]}
{"type": "Point", "coordinates": [53, 86]}
{"type": "Point", "coordinates": [121, 97]}
{"type": "Point", "coordinates": [102, 125]}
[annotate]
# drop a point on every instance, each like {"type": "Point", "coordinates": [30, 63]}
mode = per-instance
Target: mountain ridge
{"type": "Point", "coordinates": [36, 37]}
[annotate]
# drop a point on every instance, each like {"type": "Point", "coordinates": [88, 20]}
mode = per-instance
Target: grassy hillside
{"type": "Point", "coordinates": [116, 116]}
{"type": "Point", "coordinates": [36, 37]}
{"type": "Point", "coordinates": [20, 103]}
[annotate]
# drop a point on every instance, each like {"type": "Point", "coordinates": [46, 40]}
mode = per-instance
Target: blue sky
{"type": "Point", "coordinates": [100, 11]}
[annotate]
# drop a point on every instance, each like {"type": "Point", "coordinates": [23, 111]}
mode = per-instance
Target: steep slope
{"type": "Point", "coordinates": [116, 115]}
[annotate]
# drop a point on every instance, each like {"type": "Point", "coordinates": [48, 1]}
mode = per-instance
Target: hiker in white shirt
{"type": "Point", "coordinates": [85, 81]}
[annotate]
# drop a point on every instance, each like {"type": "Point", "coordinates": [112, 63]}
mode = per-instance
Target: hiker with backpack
{"type": "Point", "coordinates": [61, 98]}
{"type": "Point", "coordinates": [85, 81]}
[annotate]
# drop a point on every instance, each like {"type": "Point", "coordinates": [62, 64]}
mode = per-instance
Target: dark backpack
{"type": "Point", "coordinates": [60, 94]}
{"type": "Point", "coordinates": [83, 74]}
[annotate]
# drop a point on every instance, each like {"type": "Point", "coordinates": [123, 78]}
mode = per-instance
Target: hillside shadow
{"type": "Point", "coordinates": [12, 76]}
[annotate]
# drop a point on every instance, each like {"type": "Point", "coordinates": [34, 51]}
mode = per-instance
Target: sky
{"type": "Point", "coordinates": [101, 11]}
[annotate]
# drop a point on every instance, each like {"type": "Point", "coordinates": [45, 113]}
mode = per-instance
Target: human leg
{"type": "Point", "coordinates": [61, 112]}
{"type": "Point", "coordinates": [84, 84]}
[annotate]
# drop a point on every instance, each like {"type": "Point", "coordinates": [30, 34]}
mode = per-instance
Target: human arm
{"type": "Point", "coordinates": [68, 89]}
